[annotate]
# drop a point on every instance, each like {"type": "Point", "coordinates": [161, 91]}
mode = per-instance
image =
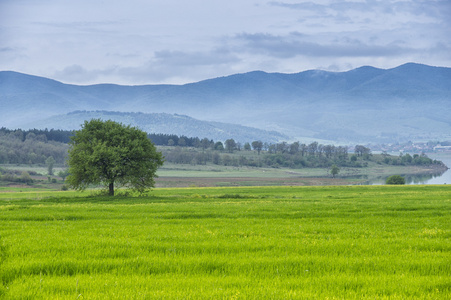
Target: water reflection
{"type": "Point", "coordinates": [436, 178]}
{"type": "Point", "coordinates": [421, 179]}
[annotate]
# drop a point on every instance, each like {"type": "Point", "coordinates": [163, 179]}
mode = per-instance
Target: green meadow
{"type": "Point", "coordinates": [321, 242]}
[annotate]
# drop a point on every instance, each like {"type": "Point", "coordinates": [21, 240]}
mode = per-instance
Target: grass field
{"type": "Point", "coordinates": [348, 242]}
{"type": "Point", "coordinates": [210, 175]}
{"type": "Point", "coordinates": [173, 175]}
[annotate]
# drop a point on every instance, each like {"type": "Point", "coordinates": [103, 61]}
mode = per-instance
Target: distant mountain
{"type": "Point", "coordinates": [162, 123]}
{"type": "Point", "coordinates": [409, 102]}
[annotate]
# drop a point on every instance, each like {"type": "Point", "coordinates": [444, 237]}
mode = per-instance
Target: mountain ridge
{"type": "Point", "coordinates": [162, 123]}
{"type": "Point", "coordinates": [408, 102]}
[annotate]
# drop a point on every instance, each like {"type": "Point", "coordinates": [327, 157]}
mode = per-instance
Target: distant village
{"type": "Point", "coordinates": [413, 147]}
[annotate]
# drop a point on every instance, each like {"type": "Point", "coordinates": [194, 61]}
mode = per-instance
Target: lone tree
{"type": "Point", "coordinates": [395, 179]}
{"type": "Point", "coordinates": [50, 161]}
{"type": "Point", "coordinates": [334, 170]}
{"type": "Point", "coordinates": [106, 152]}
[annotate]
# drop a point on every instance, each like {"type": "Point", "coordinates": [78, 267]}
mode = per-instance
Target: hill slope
{"type": "Point", "coordinates": [409, 102]}
{"type": "Point", "coordinates": [163, 123]}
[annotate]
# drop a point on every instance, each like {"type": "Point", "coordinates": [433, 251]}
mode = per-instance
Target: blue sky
{"type": "Point", "coordinates": [168, 41]}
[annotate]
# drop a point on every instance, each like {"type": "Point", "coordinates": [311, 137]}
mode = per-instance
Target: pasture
{"type": "Point", "coordinates": [333, 242]}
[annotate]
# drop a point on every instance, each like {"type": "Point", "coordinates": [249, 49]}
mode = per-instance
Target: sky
{"type": "Point", "coordinates": [175, 42]}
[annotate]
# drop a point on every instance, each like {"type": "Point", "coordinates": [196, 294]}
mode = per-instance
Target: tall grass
{"type": "Point", "coordinates": [252, 243]}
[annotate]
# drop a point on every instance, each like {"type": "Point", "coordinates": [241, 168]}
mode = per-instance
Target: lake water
{"type": "Point", "coordinates": [444, 178]}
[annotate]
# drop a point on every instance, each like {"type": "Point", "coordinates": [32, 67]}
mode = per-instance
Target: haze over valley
{"type": "Point", "coordinates": [367, 104]}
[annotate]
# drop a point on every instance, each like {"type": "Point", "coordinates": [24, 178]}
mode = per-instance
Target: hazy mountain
{"type": "Point", "coordinates": [163, 123]}
{"type": "Point", "coordinates": [410, 102]}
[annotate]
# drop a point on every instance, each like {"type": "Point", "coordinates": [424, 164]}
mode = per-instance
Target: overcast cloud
{"type": "Point", "coordinates": [168, 41]}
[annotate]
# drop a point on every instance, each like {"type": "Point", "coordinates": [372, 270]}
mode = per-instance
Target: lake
{"type": "Point", "coordinates": [444, 178]}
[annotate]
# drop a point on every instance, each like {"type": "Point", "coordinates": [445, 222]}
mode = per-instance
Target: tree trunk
{"type": "Point", "coordinates": [111, 189]}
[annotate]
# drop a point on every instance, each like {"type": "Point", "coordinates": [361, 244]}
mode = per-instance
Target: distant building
{"type": "Point", "coordinates": [442, 148]}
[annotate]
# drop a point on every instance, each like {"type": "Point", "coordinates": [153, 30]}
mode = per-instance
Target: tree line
{"type": "Point", "coordinates": [407, 159]}
{"type": "Point", "coordinates": [36, 146]}
{"type": "Point", "coordinates": [27, 147]}
{"type": "Point", "coordinates": [295, 155]}
{"type": "Point", "coordinates": [57, 135]}
{"type": "Point", "coordinates": [63, 136]}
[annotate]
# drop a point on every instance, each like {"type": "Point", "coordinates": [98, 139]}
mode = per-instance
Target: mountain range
{"type": "Point", "coordinates": [367, 104]}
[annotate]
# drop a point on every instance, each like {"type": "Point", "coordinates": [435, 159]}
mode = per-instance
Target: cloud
{"type": "Point", "coordinates": [7, 49]}
{"type": "Point", "coordinates": [77, 73]}
{"type": "Point", "coordinates": [296, 44]}
{"type": "Point", "coordinates": [439, 51]}
{"type": "Point", "coordinates": [336, 7]}
{"type": "Point", "coordinates": [434, 7]}
{"type": "Point", "coordinates": [177, 42]}
{"type": "Point", "coordinates": [9, 56]}
{"type": "Point", "coordinates": [179, 66]}
{"type": "Point", "coordinates": [196, 58]}
{"type": "Point", "coordinates": [382, 14]}
{"type": "Point", "coordinates": [87, 27]}
{"type": "Point", "coordinates": [164, 66]}
{"type": "Point", "coordinates": [300, 6]}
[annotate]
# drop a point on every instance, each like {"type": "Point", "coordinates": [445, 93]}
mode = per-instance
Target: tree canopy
{"type": "Point", "coordinates": [395, 179]}
{"type": "Point", "coordinates": [109, 153]}
{"type": "Point", "coordinates": [334, 170]}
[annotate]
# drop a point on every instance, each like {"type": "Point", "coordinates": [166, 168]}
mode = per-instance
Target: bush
{"type": "Point", "coordinates": [395, 179]}
{"type": "Point", "coordinates": [25, 178]}
{"type": "Point", "coordinates": [231, 196]}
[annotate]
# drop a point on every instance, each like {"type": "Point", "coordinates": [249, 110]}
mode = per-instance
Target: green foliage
{"type": "Point", "coordinates": [106, 152]}
{"type": "Point", "coordinates": [395, 179]}
{"type": "Point", "coordinates": [18, 148]}
{"type": "Point", "coordinates": [284, 155]}
{"type": "Point", "coordinates": [3, 255]}
{"type": "Point", "coordinates": [16, 176]}
{"type": "Point", "coordinates": [228, 243]}
{"type": "Point", "coordinates": [361, 150]}
{"type": "Point", "coordinates": [63, 174]}
{"type": "Point", "coordinates": [219, 146]}
{"type": "Point", "coordinates": [258, 146]}
{"type": "Point", "coordinates": [57, 135]}
{"type": "Point", "coordinates": [50, 162]}
{"type": "Point", "coordinates": [230, 145]}
{"type": "Point", "coordinates": [334, 170]}
{"type": "Point", "coordinates": [232, 196]}
{"type": "Point", "coordinates": [25, 177]}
